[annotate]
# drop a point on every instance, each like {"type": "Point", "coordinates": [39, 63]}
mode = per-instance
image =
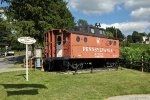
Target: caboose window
{"type": "Point", "coordinates": [65, 37]}
{"type": "Point", "coordinates": [109, 42]}
{"type": "Point", "coordinates": [104, 33]}
{"type": "Point", "coordinates": [85, 39]}
{"type": "Point", "coordinates": [100, 32]}
{"type": "Point", "coordinates": [59, 40]}
{"type": "Point", "coordinates": [78, 39]}
{"type": "Point", "coordinates": [92, 30]}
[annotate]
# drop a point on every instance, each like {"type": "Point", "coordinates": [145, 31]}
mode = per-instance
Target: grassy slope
{"type": "Point", "coordinates": [54, 86]}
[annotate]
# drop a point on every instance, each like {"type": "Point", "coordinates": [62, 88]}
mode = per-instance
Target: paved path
{"type": "Point", "coordinates": [6, 63]}
{"type": "Point", "coordinates": [10, 69]}
{"type": "Point", "coordinates": [131, 97]}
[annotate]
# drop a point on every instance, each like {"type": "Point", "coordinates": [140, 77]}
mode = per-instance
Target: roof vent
{"type": "Point", "coordinates": [97, 25]}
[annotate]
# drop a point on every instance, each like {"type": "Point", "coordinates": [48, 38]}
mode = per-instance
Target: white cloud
{"type": "Point", "coordinates": [95, 7]}
{"type": "Point", "coordinates": [139, 9]}
{"type": "Point", "coordinates": [98, 7]}
{"type": "Point", "coordinates": [141, 13]}
{"type": "Point", "coordinates": [137, 3]}
{"type": "Point", "coordinates": [129, 27]}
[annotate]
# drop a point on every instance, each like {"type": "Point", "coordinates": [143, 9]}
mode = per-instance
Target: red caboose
{"type": "Point", "coordinates": [65, 49]}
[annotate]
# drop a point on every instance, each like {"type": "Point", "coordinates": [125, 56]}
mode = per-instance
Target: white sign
{"type": "Point", "coordinates": [26, 40]}
{"type": "Point", "coordinates": [38, 52]}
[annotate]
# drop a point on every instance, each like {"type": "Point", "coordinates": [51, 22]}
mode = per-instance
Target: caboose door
{"type": "Point", "coordinates": [59, 45]}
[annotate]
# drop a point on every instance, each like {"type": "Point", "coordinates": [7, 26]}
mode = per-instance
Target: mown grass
{"type": "Point", "coordinates": [56, 86]}
{"type": "Point", "coordinates": [17, 66]}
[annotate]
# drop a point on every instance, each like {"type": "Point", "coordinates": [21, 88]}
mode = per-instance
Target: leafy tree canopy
{"type": "Point", "coordinates": [137, 37]}
{"type": "Point", "coordinates": [82, 22]}
{"type": "Point", "coordinates": [116, 33]}
{"type": "Point", "coordinates": [5, 29]}
{"type": "Point", "coordinates": [129, 39]}
{"type": "Point", "coordinates": [34, 17]}
{"type": "Point", "coordinates": [149, 34]}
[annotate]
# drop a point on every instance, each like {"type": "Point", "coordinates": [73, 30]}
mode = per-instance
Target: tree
{"type": "Point", "coordinates": [129, 39]}
{"type": "Point", "coordinates": [117, 34]}
{"type": "Point", "coordinates": [81, 25]}
{"type": "Point", "coordinates": [143, 34]}
{"type": "Point", "coordinates": [82, 22]}
{"type": "Point", "coordinates": [148, 34]}
{"type": "Point", "coordinates": [109, 34]}
{"type": "Point", "coordinates": [136, 37]}
{"type": "Point", "coordinates": [7, 32]}
{"type": "Point", "coordinates": [4, 29]}
{"type": "Point", "coordinates": [3, 33]}
{"type": "Point", "coordinates": [34, 17]}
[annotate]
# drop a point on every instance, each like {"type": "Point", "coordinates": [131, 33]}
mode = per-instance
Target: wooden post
{"type": "Point", "coordinates": [91, 69]}
{"type": "Point", "coordinates": [42, 69]}
{"type": "Point", "coordinates": [130, 62]}
{"type": "Point", "coordinates": [142, 63]}
{"type": "Point", "coordinates": [75, 71]}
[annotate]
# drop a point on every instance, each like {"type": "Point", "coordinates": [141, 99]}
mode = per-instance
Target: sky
{"type": "Point", "coordinates": [127, 15]}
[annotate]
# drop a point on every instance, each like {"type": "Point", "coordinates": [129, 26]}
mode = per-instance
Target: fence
{"type": "Point", "coordinates": [143, 65]}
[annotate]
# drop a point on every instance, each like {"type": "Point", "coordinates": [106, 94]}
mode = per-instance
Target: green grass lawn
{"type": "Point", "coordinates": [56, 86]}
{"type": "Point", "coordinates": [17, 66]}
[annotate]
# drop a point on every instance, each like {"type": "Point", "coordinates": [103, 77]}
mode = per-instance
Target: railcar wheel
{"type": "Point", "coordinates": [65, 66]}
{"type": "Point", "coordinates": [49, 66]}
{"type": "Point", "coordinates": [46, 65]}
{"type": "Point", "coordinates": [116, 65]}
{"type": "Point", "coordinates": [80, 66]}
{"type": "Point", "coordinates": [74, 66]}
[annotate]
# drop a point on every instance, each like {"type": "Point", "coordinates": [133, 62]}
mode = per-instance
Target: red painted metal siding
{"type": "Point", "coordinates": [86, 47]}
{"type": "Point", "coordinates": [66, 44]}
{"type": "Point", "coordinates": [50, 44]}
{"type": "Point", "coordinates": [95, 47]}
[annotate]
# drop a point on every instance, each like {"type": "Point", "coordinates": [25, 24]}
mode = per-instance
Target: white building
{"type": "Point", "coordinates": [146, 40]}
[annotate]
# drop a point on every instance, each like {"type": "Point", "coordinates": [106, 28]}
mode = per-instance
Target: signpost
{"type": "Point", "coordinates": [27, 41]}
